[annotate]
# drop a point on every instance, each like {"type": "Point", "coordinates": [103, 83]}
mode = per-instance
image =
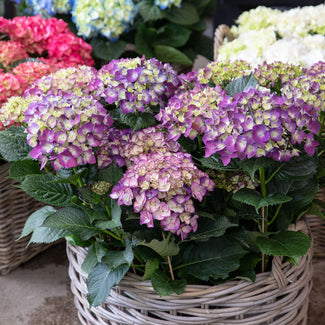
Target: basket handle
{"type": "Point", "coordinates": [220, 33]}
{"type": "Point", "coordinates": [277, 271]}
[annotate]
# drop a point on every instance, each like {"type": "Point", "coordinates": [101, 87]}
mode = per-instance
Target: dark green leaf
{"type": "Point", "coordinates": [252, 165]}
{"type": "Point", "coordinates": [112, 174]}
{"type": "Point", "coordinates": [211, 228]}
{"type": "Point", "coordinates": [115, 215]}
{"type": "Point", "coordinates": [173, 35]}
{"type": "Point", "coordinates": [95, 253]}
{"type": "Point", "coordinates": [100, 281]}
{"type": "Point", "coordinates": [40, 188]}
{"type": "Point", "coordinates": [135, 122]}
{"type": "Point", "coordinates": [169, 54]}
{"type": "Point", "coordinates": [114, 259]}
{"type": "Point", "coordinates": [285, 243]}
{"type": "Point", "coordinates": [73, 179]}
{"type": "Point", "coordinates": [76, 241]}
{"type": "Point", "coordinates": [74, 220]}
{"type": "Point", "coordinates": [13, 144]}
{"type": "Point", "coordinates": [316, 211]}
{"type": "Point", "coordinates": [20, 169]}
{"type": "Point", "coordinates": [185, 15]}
{"type": "Point", "coordinates": [214, 162]}
{"type": "Point", "coordinates": [165, 286]}
{"type": "Point", "coordinates": [107, 50]}
{"type": "Point", "coordinates": [150, 267]}
{"type": "Point", "coordinates": [149, 11]}
{"type": "Point", "coordinates": [298, 168]}
{"type": "Point", "coordinates": [240, 84]}
{"type": "Point", "coordinates": [41, 234]}
{"type": "Point", "coordinates": [215, 258]}
{"type": "Point", "coordinates": [144, 39]}
{"type": "Point", "coordinates": [164, 248]}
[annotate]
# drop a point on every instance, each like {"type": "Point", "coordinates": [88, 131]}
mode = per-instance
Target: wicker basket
{"type": "Point", "coordinates": [277, 297]}
{"type": "Point", "coordinates": [317, 227]}
{"type": "Point", "coordinates": [15, 207]}
{"type": "Point", "coordinates": [221, 32]}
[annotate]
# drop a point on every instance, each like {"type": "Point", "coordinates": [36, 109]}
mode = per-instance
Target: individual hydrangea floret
{"type": "Point", "coordinates": [164, 4]}
{"type": "Point", "coordinates": [109, 18]}
{"type": "Point", "coordinates": [65, 129]}
{"type": "Point", "coordinates": [137, 84]}
{"type": "Point", "coordinates": [163, 186]}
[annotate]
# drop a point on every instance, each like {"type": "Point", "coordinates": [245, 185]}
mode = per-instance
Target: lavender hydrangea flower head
{"type": "Point", "coordinates": [65, 128]}
{"type": "Point", "coordinates": [136, 84]}
{"type": "Point", "coordinates": [161, 186]}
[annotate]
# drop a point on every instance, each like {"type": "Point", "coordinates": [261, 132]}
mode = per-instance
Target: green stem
{"type": "Point", "coordinates": [262, 182]}
{"type": "Point", "coordinates": [79, 180]}
{"type": "Point", "coordinates": [275, 215]}
{"type": "Point", "coordinates": [273, 174]}
{"type": "Point", "coordinates": [106, 231]}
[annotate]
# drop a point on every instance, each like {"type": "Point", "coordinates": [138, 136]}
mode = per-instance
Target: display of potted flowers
{"type": "Point", "coordinates": [266, 34]}
{"type": "Point", "coordinates": [177, 183]}
{"type": "Point", "coordinates": [170, 30]}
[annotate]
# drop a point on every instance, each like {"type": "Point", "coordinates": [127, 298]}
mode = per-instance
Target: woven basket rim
{"type": "Point", "coordinates": [221, 32]}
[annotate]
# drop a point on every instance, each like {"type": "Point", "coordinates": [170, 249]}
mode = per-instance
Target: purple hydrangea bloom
{"type": "Point", "coordinates": [162, 186]}
{"type": "Point", "coordinates": [135, 84]}
{"type": "Point", "coordinates": [65, 128]}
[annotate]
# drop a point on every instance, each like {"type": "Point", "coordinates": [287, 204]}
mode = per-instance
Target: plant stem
{"type": "Point", "coordinates": [263, 230]}
{"type": "Point", "coordinates": [263, 191]}
{"type": "Point", "coordinates": [169, 262]}
{"type": "Point", "coordinates": [79, 180]}
{"type": "Point", "coordinates": [113, 235]}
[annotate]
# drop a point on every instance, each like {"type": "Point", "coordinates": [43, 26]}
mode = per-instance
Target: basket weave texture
{"type": "Point", "coordinates": [317, 227]}
{"type": "Point", "coordinates": [15, 208]}
{"type": "Point", "coordinates": [221, 32]}
{"type": "Point", "coordinates": [278, 297]}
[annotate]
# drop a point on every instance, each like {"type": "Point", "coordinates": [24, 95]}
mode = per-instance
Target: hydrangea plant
{"type": "Point", "coordinates": [183, 178]}
{"type": "Point", "coordinates": [169, 30]}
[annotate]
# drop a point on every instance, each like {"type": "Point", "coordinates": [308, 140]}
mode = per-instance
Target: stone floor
{"type": "Point", "coordinates": [38, 293]}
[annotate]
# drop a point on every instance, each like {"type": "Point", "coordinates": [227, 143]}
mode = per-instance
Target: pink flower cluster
{"type": "Point", "coordinates": [50, 40]}
{"type": "Point", "coordinates": [161, 186]}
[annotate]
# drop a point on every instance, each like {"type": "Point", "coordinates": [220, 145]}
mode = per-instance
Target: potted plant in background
{"type": "Point", "coordinates": [172, 31]}
{"type": "Point", "coordinates": [30, 47]}
{"type": "Point", "coordinates": [181, 197]}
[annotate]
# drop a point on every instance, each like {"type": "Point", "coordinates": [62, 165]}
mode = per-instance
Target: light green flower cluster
{"type": "Point", "coordinates": [221, 71]}
{"type": "Point", "coordinates": [62, 6]}
{"type": "Point", "coordinates": [109, 18]}
{"type": "Point", "coordinates": [164, 4]}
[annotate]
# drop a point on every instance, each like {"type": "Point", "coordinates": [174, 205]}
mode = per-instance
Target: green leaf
{"type": "Point", "coordinates": [252, 165]}
{"type": "Point", "coordinates": [107, 50]}
{"type": "Point", "coordinates": [298, 168]}
{"type": "Point", "coordinates": [285, 243]}
{"type": "Point", "coordinates": [211, 228]}
{"type": "Point", "coordinates": [150, 267]}
{"type": "Point", "coordinates": [72, 179]}
{"type": "Point", "coordinates": [76, 221]}
{"type": "Point", "coordinates": [240, 84]}
{"type": "Point", "coordinates": [214, 162]}
{"type": "Point", "coordinates": [135, 122]}
{"type": "Point", "coordinates": [100, 281]}
{"type": "Point", "coordinates": [215, 258]}
{"type": "Point", "coordinates": [149, 11]}
{"type": "Point", "coordinates": [165, 286]}
{"type": "Point", "coordinates": [76, 241]}
{"type": "Point", "coordinates": [173, 35]}
{"type": "Point", "coordinates": [251, 197]}
{"type": "Point", "coordinates": [144, 39]}
{"type": "Point", "coordinates": [316, 211]}
{"type": "Point", "coordinates": [185, 15]}
{"type": "Point", "coordinates": [95, 253]}
{"type": "Point", "coordinates": [114, 259]}
{"type": "Point", "coordinates": [112, 174]}
{"type": "Point", "coordinates": [20, 169]}
{"type": "Point", "coordinates": [40, 188]}
{"type": "Point", "coordinates": [41, 234]}
{"type": "Point", "coordinates": [164, 248]}
{"type": "Point", "coordinates": [13, 144]}
{"type": "Point", "coordinates": [116, 212]}
{"type": "Point", "coordinates": [169, 54]}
